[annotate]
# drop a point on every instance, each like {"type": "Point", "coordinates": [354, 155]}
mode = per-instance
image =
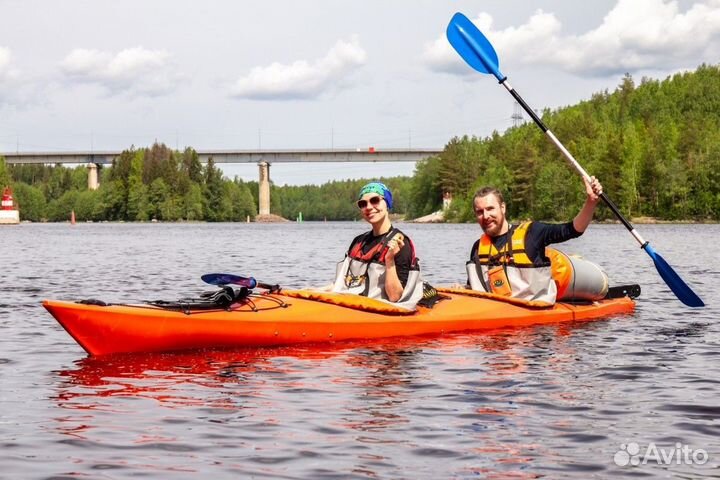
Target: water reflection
{"type": "Point", "coordinates": [498, 405]}
{"type": "Point", "coordinates": [171, 379]}
{"type": "Point", "coordinates": [382, 382]}
{"type": "Point", "coordinates": [377, 370]}
{"type": "Point", "coordinates": [522, 384]}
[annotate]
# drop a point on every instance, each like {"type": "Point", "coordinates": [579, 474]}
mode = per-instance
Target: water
{"type": "Point", "coordinates": [557, 401]}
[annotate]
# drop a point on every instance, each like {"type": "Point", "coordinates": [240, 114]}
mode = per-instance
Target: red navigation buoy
{"type": "Point", "coordinates": [72, 217]}
{"type": "Point", "coordinates": [7, 200]}
{"type": "Point", "coordinates": [9, 214]}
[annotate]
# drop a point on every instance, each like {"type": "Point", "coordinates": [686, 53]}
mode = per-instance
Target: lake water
{"type": "Point", "coordinates": [560, 401]}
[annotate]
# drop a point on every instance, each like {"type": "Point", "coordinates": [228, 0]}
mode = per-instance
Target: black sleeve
{"type": "Point", "coordinates": [540, 235]}
{"type": "Point", "coordinates": [404, 262]}
{"type": "Point", "coordinates": [550, 233]}
{"type": "Point", "coordinates": [474, 249]}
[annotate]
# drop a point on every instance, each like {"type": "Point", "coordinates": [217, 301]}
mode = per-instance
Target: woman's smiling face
{"type": "Point", "coordinates": [373, 208]}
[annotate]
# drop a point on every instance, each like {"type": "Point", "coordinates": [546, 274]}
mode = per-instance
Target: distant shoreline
{"type": "Point", "coordinates": [652, 221]}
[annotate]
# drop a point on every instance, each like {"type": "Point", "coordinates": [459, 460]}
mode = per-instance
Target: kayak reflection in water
{"type": "Point", "coordinates": [381, 263]}
{"type": "Point", "coordinates": [513, 261]}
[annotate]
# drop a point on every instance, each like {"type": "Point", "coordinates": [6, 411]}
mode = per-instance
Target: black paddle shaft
{"type": "Point", "coordinates": [547, 131]}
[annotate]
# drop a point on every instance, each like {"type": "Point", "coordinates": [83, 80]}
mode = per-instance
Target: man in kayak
{"type": "Point", "coordinates": [510, 259]}
{"type": "Point", "coordinates": [381, 263]}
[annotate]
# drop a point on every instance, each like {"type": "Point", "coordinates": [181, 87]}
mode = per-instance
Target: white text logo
{"type": "Point", "coordinates": [633, 454]}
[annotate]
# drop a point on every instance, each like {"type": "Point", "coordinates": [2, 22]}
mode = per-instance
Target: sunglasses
{"type": "Point", "coordinates": [374, 201]}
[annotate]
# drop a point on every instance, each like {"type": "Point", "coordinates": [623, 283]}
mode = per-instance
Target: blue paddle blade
{"type": "Point", "coordinates": [472, 46]}
{"type": "Point", "coordinates": [673, 280]}
{"type": "Point", "coordinates": [229, 279]}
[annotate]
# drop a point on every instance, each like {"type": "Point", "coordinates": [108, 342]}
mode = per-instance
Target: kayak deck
{"type": "Point", "coordinates": [276, 319]}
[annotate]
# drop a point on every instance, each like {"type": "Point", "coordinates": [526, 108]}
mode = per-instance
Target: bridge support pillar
{"type": "Point", "coordinates": [92, 176]}
{"type": "Point", "coordinates": [264, 187]}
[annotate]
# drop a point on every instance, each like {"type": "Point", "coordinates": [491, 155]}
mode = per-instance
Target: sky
{"type": "Point", "coordinates": [236, 74]}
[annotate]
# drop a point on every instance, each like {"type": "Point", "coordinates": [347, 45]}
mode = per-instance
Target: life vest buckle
{"type": "Point", "coordinates": [352, 281]}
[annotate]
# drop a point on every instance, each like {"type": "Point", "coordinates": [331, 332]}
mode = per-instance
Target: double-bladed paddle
{"type": "Point", "coordinates": [230, 279]}
{"type": "Point", "coordinates": [477, 51]}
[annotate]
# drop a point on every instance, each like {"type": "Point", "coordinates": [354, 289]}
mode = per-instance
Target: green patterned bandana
{"type": "Point", "coordinates": [380, 189]}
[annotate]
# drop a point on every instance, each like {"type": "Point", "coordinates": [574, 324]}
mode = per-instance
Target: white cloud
{"type": "Point", "coordinates": [10, 87]}
{"type": "Point", "coordinates": [635, 35]}
{"type": "Point", "coordinates": [301, 79]}
{"type": "Point", "coordinates": [133, 71]}
{"type": "Point", "coordinates": [7, 71]}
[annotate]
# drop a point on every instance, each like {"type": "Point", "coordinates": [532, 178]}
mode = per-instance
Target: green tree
{"type": "Point", "coordinates": [31, 202]}
{"type": "Point", "coordinates": [137, 200]}
{"type": "Point", "coordinates": [192, 203]}
{"type": "Point", "coordinates": [630, 169]}
{"type": "Point", "coordinates": [159, 162]}
{"type": "Point", "coordinates": [243, 203]}
{"type": "Point", "coordinates": [5, 179]}
{"type": "Point", "coordinates": [213, 193]}
{"type": "Point", "coordinates": [79, 178]}
{"type": "Point", "coordinates": [113, 195]}
{"type": "Point", "coordinates": [461, 163]}
{"type": "Point", "coordinates": [59, 183]}
{"type": "Point", "coordinates": [158, 194]}
{"type": "Point", "coordinates": [87, 205]}
{"type": "Point", "coordinates": [191, 165]}
{"type": "Point", "coordinates": [555, 193]}
{"type": "Point", "coordinates": [59, 209]}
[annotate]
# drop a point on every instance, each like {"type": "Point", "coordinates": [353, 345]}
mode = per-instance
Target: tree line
{"type": "Point", "coordinates": [336, 200]}
{"type": "Point", "coordinates": [158, 183]}
{"type": "Point", "coordinates": [153, 183]}
{"type": "Point", "coordinates": [654, 146]}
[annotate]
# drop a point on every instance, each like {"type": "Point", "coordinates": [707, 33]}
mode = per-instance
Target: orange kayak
{"type": "Point", "coordinates": [293, 317]}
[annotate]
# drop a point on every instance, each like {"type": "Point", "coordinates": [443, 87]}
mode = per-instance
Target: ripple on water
{"type": "Point", "coordinates": [550, 402]}
{"type": "Point", "coordinates": [709, 412]}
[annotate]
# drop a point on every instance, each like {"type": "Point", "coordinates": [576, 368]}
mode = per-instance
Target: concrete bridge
{"type": "Point", "coordinates": [263, 158]}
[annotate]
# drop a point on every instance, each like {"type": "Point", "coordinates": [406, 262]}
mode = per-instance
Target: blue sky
{"type": "Point", "coordinates": [316, 74]}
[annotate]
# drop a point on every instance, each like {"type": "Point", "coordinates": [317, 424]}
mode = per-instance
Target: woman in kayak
{"type": "Point", "coordinates": [381, 263]}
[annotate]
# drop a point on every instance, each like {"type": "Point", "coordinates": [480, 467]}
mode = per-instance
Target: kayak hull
{"type": "Point", "coordinates": [279, 320]}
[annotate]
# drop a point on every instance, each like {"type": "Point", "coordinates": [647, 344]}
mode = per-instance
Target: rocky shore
{"type": "Point", "coordinates": [270, 218]}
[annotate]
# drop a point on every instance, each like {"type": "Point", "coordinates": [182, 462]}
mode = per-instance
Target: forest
{"type": "Point", "coordinates": [655, 146]}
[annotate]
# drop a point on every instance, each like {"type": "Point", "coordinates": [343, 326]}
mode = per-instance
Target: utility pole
{"type": "Point", "coordinates": [517, 115]}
